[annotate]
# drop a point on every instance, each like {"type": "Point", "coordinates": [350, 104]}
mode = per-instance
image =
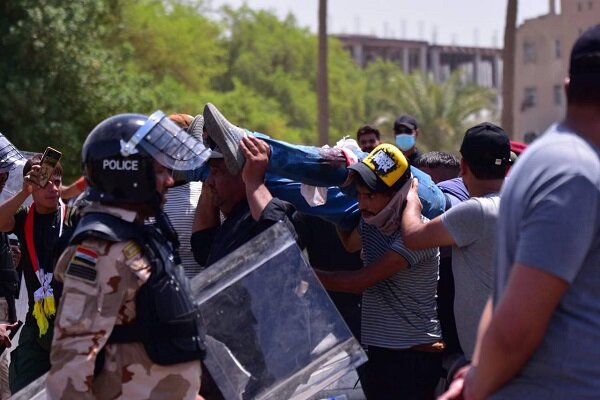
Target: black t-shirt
{"type": "Point", "coordinates": [326, 252]}
{"type": "Point", "coordinates": [210, 245]}
{"type": "Point", "coordinates": [414, 157]}
{"type": "Point", "coordinates": [46, 228]}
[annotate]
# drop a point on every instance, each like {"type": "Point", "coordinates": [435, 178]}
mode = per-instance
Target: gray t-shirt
{"type": "Point", "coordinates": [550, 219]}
{"type": "Point", "coordinates": [472, 225]}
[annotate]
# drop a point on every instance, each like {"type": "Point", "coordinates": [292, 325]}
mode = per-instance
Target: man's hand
{"type": "Point", "coordinates": [15, 252]}
{"type": "Point", "coordinates": [455, 391]}
{"type": "Point", "coordinates": [256, 153]}
{"type": "Point", "coordinates": [32, 179]}
{"type": "Point", "coordinates": [5, 331]}
{"type": "Point", "coordinates": [412, 198]}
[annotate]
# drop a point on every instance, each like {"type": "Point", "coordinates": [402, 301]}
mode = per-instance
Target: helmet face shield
{"type": "Point", "coordinates": [170, 145]}
{"type": "Point", "coordinates": [9, 155]}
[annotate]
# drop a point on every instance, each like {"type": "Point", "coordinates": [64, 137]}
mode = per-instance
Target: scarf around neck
{"type": "Point", "coordinates": [389, 218]}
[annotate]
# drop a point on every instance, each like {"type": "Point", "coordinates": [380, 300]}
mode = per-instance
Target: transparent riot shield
{"type": "Point", "coordinates": [271, 330]}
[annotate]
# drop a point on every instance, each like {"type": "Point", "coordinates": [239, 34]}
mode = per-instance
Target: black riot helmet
{"type": "Point", "coordinates": [119, 153]}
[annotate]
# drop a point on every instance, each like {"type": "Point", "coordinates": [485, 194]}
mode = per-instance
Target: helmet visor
{"type": "Point", "coordinates": [170, 145]}
{"type": "Point", "coordinates": [9, 155]}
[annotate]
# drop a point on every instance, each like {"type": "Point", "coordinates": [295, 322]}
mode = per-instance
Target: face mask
{"type": "Point", "coordinates": [405, 141]}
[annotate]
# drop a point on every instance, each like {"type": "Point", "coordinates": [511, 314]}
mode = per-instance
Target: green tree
{"type": "Point", "coordinates": [175, 47]}
{"type": "Point", "coordinates": [57, 80]}
{"type": "Point", "coordinates": [276, 60]}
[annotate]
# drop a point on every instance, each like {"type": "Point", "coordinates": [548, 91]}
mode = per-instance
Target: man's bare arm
{"type": "Point", "coordinates": [418, 234]}
{"type": "Point", "coordinates": [256, 153]}
{"type": "Point", "coordinates": [359, 280]}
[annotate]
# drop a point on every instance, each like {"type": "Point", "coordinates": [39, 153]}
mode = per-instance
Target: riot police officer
{"type": "Point", "coordinates": [126, 326]}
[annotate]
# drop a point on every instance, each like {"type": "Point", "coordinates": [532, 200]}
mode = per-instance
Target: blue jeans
{"type": "Point", "coordinates": [290, 165]}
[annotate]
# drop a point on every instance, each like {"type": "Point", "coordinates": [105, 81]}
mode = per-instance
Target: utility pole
{"type": "Point", "coordinates": [508, 78]}
{"type": "Point", "coordinates": [322, 78]}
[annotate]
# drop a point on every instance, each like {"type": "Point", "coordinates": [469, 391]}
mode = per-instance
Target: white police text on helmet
{"type": "Point", "coordinates": [120, 165]}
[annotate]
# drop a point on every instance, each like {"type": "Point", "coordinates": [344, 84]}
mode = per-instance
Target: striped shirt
{"type": "Point", "coordinates": [181, 207]}
{"type": "Point", "coordinates": [400, 311]}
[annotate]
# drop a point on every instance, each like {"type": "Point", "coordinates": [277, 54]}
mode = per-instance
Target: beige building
{"type": "Point", "coordinates": [542, 62]}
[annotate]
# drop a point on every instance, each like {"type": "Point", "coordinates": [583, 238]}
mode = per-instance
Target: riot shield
{"type": "Point", "coordinates": [271, 330]}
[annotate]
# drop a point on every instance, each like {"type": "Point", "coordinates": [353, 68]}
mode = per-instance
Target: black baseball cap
{"type": "Point", "coordinates": [405, 120]}
{"type": "Point", "coordinates": [486, 144]}
{"type": "Point", "coordinates": [585, 56]}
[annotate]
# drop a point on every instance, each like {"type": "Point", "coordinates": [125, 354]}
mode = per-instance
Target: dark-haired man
{"type": "Point", "coordinates": [368, 138]}
{"type": "Point", "coordinates": [439, 165]}
{"type": "Point", "coordinates": [469, 227]}
{"type": "Point", "coordinates": [406, 133]}
{"type": "Point", "coordinates": [38, 228]}
{"type": "Point", "coordinates": [399, 320]}
{"type": "Point", "coordinates": [541, 339]}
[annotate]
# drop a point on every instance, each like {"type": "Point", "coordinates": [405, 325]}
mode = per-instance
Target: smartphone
{"type": "Point", "coordinates": [50, 158]}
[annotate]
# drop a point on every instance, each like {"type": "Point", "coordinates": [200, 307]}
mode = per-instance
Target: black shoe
{"type": "Point", "coordinates": [227, 137]}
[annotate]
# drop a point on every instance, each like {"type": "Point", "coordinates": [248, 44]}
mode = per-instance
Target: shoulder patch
{"type": "Point", "coordinates": [131, 250]}
{"type": "Point", "coordinates": [83, 264]}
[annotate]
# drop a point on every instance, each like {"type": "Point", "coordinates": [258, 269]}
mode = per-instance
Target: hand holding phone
{"type": "Point", "coordinates": [48, 163]}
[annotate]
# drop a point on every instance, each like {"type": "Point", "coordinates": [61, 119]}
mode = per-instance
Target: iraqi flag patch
{"type": "Point", "coordinates": [83, 265]}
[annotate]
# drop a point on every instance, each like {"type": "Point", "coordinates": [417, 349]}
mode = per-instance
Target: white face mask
{"type": "Point", "coordinates": [405, 141]}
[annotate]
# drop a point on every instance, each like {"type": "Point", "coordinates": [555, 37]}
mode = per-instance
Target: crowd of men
{"type": "Point", "coordinates": [474, 278]}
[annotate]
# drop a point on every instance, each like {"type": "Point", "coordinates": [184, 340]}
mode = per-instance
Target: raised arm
{"type": "Point", "coordinates": [256, 153]}
{"type": "Point", "coordinates": [9, 208]}
{"type": "Point", "coordinates": [360, 280]}
{"type": "Point", "coordinates": [420, 234]}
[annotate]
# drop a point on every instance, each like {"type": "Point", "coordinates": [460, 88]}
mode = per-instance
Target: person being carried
{"type": "Point", "coordinates": [290, 166]}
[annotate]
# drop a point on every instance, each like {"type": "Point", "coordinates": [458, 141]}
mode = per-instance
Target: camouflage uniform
{"type": "Point", "coordinates": [96, 298]}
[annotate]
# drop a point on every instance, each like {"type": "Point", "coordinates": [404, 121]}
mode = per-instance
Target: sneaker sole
{"type": "Point", "coordinates": [234, 159]}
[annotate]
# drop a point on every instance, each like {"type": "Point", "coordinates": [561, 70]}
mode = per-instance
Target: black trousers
{"type": "Point", "coordinates": [400, 374]}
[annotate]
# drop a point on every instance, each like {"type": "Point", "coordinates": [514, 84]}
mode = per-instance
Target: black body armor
{"type": "Point", "coordinates": [168, 321]}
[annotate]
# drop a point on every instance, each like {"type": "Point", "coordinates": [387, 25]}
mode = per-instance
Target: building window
{"type": "Point", "coordinates": [558, 95]}
{"type": "Point", "coordinates": [528, 52]}
{"type": "Point", "coordinates": [590, 4]}
{"type": "Point", "coordinates": [529, 98]}
{"type": "Point", "coordinates": [579, 8]}
{"type": "Point", "coordinates": [557, 48]}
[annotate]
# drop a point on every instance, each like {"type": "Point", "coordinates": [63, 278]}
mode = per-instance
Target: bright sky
{"type": "Point", "coordinates": [462, 22]}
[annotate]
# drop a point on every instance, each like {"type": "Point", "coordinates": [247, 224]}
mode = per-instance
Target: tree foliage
{"type": "Point", "coordinates": [57, 80]}
{"type": "Point", "coordinates": [65, 66]}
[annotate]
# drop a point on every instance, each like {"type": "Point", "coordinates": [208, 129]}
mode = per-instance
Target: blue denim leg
{"type": "Point", "coordinates": [340, 209]}
{"type": "Point", "coordinates": [310, 165]}
{"type": "Point", "coordinates": [324, 167]}
{"type": "Point", "coordinates": [432, 198]}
